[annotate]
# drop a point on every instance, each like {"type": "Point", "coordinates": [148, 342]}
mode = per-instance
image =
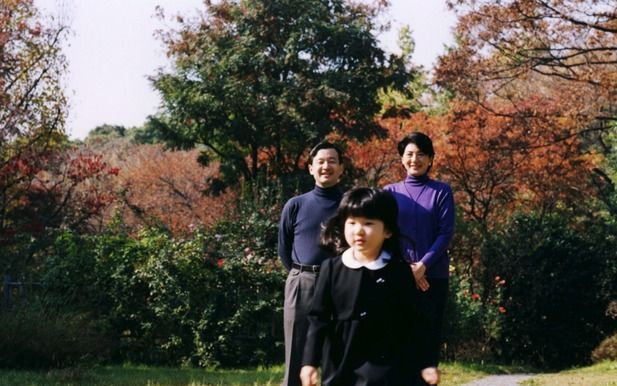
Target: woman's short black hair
{"type": "Point", "coordinates": [419, 139]}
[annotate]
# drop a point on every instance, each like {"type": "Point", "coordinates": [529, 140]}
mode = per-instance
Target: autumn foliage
{"type": "Point", "coordinates": [496, 164]}
{"type": "Point", "coordinates": [159, 187]}
{"type": "Point", "coordinates": [46, 191]}
{"type": "Point", "coordinates": [554, 51]}
{"type": "Point", "coordinates": [168, 188]}
{"type": "Point", "coordinates": [148, 240]}
{"type": "Point", "coordinates": [499, 164]}
{"type": "Point", "coordinates": [44, 183]}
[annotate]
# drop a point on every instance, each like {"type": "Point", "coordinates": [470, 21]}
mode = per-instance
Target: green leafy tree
{"type": "Point", "coordinates": [45, 184]}
{"type": "Point", "coordinates": [404, 104]}
{"type": "Point", "coordinates": [106, 130]}
{"type": "Point", "coordinates": [32, 104]}
{"type": "Point", "coordinates": [258, 81]}
{"type": "Point", "coordinates": [145, 134]}
{"type": "Point", "coordinates": [32, 111]}
{"type": "Point", "coordinates": [114, 134]}
{"type": "Point", "coordinates": [605, 175]}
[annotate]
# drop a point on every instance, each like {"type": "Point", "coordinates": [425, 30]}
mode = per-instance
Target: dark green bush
{"type": "Point", "coordinates": [213, 298]}
{"type": "Point", "coordinates": [606, 350]}
{"type": "Point", "coordinates": [472, 323]}
{"type": "Point", "coordinates": [556, 290]}
{"type": "Point", "coordinates": [475, 308]}
{"type": "Point", "coordinates": [38, 336]}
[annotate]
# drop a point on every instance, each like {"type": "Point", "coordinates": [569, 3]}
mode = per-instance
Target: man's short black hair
{"type": "Point", "coordinates": [325, 145]}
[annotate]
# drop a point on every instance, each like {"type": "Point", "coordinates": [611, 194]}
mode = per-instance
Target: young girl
{"type": "Point", "coordinates": [363, 309]}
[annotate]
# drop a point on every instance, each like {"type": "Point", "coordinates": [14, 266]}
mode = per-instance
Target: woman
{"type": "Point", "coordinates": [426, 222]}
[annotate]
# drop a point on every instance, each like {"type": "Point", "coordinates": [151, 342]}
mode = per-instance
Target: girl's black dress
{"type": "Point", "coordinates": [361, 322]}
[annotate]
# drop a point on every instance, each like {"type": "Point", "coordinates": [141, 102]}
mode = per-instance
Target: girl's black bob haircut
{"type": "Point", "coordinates": [370, 203]}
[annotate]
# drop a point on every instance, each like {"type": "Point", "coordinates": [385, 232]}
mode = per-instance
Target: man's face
{"type": "Point", "coordinates": [326, 168]}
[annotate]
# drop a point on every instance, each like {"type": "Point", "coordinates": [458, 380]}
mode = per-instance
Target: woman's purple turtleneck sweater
{"type": "Point", "coordinates": [426, 216]}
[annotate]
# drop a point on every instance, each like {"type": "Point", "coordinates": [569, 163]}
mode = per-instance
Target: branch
{"type": "Point", "coordinates": [577, 21]}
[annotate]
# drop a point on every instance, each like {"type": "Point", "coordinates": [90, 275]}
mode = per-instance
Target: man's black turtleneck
{"type": "Point", "coordinates": [300, 226]}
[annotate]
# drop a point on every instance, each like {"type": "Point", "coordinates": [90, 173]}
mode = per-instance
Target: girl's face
{"type": "Point", "coordinates": [415, 161]}
{"type": "Point", "coordinates": [365, 236]}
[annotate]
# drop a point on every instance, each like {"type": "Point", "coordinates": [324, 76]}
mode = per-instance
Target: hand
{"type": "Point", "coordinates": [419, 269]}
{"type": "Point", "coordinates": [431, 375]}
{"type": "Point", "coordinates": [308, 376]}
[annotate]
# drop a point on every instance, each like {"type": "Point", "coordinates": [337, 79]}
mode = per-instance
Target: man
{"type": "Point", "coordinates": [300, 252]}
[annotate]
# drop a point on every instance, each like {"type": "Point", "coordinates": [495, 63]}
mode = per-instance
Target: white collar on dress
{"type": "Point", "coordinates": [350, 262]}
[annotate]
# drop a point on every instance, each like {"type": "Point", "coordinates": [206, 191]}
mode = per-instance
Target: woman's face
{"type": "Point", "coordinates": [415, 161]}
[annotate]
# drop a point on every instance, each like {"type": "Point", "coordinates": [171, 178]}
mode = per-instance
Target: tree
{"type": "Point", "coordinates": [606, 175]}
{"type": "Point", "coordinates": [155, 186]}
{"type": "Point", "coordinates": [32, 108]}
{"type": "Point", "coordinates": [534, 83]}
{"type": "Point", "coordinates": [45, 184]}
{"type": "Point", "coordinates": [504, 43]}
{"type": "Point", "coordinates": [159, 187]}
{"type": "Point", "coordinates": [561, 54]}
{"type": "Point", "coordinates": [145, 134]}
{"type": "Point", "coordinates": [403, 104]}
{"type": "Point", "coordinates": [495, 165]}
{"type": "Point", "coordinates": [257, 82]}
{"type": "Point", "coordinates": [56, 189]}
{"type": "Point", "coordinates": [560, 279]}
{"type": "Point", "coordinates": [110, 134]}
{"type": "Point", "coordinates": [105, 131]}
{"type": "Point", "coordinates": [32, 104]}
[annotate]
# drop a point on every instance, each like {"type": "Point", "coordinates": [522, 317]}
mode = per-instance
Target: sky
{"type": "Point", "coordinates": [112, 50]}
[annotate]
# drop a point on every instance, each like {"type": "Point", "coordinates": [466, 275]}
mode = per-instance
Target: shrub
{"type": "Point", "coordinates": [556, 295]}
{"type": "Point", "coordinates": [245, 326]}
{"type": "Point", "coordinates": [213, 298]}
{"type": "Point", "coordinates": [472, 322]}
{"type": "Point", "coordinates": [245, 316]}
{"type": "Point", "coordinates": [463, 316]}
{"type": "Point", "coordinates": [606, 350]}
{"type": "Point", "coordinates": [34, 335]}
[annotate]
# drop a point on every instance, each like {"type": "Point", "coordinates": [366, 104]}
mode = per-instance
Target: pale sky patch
{"type": "Point", "coordinates": [112, 52]}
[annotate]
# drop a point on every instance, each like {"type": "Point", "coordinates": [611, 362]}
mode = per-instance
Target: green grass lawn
{"type": "Point", "coordinates": [143, 375]}
{"type": "Point", "coordinates": [601, 374]}
{"type": "Point", "coordinates": [454, 373]}
{"type": "Point", "coordinates": [129, 375]}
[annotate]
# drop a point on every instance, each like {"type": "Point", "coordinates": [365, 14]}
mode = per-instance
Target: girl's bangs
{"type": "Point", "coordinates": [364, 208]}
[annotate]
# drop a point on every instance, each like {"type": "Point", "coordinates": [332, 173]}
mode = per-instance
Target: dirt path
{"type": "Point", "coordinates": [500, 380]}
